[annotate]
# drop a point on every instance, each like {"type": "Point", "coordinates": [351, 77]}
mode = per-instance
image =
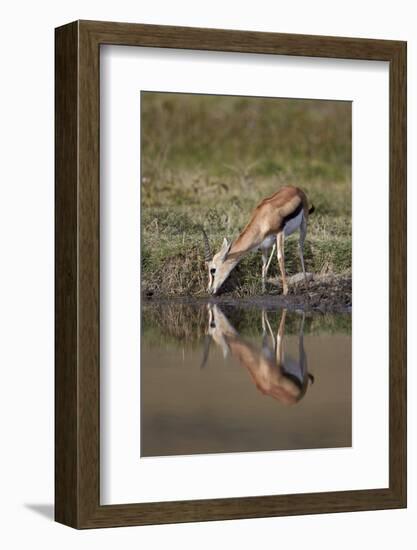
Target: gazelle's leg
{"type": "Point", "coordinates": [270, 258]}
{"type": "Point", "coordinates": [264, 267]}
{"type": "Point", "coordinates": [268, 340]}
{"type": "Point", "coordinates": [303, 232]}
{"type": "Point", "coordinates": [265, 264]}
{"type": "Point", "coordinates": [266, 328]}
{"type": "Point", "coordinates": [301, 330]}
{"type": "Point", "coordinates": [302, 358]}
{"type": "Point", "coordinates": [308, 377]}
{"type": "Point", "coordinates": [279, 353]}
{"type": "Point", "coordinates": [266, 324]}
{"type": "Point", "coordinates": [269, 327]}
{"type": "Point", "coordinates": [281, 262]}
{"type": "Point", "coordinates": [263, 316]}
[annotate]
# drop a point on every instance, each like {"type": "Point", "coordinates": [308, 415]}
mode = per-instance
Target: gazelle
{"type": "Point", "coordinates": [273, 372]}
{"type": "Point", "coordinates": [273, 219]}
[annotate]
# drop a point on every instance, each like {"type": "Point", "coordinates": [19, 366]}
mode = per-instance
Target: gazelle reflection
{"type": "Point", "coordinates": [273, 372]}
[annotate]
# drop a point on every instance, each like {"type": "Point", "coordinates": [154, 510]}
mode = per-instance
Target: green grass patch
{"type": "Point", "coordinates": [210, 160]}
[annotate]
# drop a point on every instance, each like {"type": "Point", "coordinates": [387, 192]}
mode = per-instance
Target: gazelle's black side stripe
{"type": "Point", "coordinates": [293, 214]}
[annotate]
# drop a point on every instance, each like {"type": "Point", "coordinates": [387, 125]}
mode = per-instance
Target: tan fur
{"type": "Point", "coordinates": [267, 219]}
{"type": "Point", "coordinates": [266, 372]}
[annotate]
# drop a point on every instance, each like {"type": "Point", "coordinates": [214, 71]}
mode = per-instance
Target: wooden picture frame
{"type": "Point", "coordinates": [77, 372]}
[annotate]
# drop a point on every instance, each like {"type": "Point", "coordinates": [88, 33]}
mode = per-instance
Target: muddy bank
{"type": "Point", "coordinates": [322, 293]}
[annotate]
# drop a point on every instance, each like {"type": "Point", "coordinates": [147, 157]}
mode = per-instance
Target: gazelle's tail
{"type": "Point", "coordinates": [311, 209]}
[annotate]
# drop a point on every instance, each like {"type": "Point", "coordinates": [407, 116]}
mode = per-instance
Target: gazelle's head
{"type": "Point", "coordinates": [219, 265]}
{"type": "Point", "coordinates": [219, 329]}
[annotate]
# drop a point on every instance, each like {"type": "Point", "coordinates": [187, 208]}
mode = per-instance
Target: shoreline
{"type": "Point", "coordinates": [323, 294]}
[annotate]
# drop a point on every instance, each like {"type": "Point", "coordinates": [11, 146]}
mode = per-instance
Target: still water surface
{"type": "Point", "coordinates": [230, 379]}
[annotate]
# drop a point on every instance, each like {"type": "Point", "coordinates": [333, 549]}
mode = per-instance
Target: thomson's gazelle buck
{"type": "Point", "coordinates": [272, 220]}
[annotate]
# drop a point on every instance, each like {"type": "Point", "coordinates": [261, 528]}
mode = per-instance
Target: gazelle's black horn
{"type": "Point", "coordinates": [208, 255]}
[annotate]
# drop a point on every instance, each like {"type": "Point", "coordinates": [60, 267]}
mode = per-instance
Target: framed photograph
{"type": "Point", "coordinates": [230, 274]}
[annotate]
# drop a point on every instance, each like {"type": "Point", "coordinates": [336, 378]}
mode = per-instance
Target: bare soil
{"type": "Point", "coordinates": [323, 293]}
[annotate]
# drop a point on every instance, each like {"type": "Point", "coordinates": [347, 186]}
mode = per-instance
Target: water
{"type": "Point", "coordinates": [231, 379]}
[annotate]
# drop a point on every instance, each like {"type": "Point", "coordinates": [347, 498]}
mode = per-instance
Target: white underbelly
{"type": "Point", "coordinates": [293, 224]}
{"type": "Point", "coordinates": [268, 242]}
{"type": "Point", "coordinates": [289, 228]}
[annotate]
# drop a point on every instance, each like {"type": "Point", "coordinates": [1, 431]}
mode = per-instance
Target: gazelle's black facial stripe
{"type": "Point", "coordinates": [213, 270]}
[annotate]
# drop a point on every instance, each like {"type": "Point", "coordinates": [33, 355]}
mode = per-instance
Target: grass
{"type": "Point", "coordinates": [210, 159]}
{"type": "Point", "coordinates": [179, 324]}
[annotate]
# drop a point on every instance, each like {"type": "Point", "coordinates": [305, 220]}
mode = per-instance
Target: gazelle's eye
{"type": "Point", "coordinates": [213, 270]}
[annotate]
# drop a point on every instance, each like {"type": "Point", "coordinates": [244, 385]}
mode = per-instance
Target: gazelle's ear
{"type": "Point", "coordinates": [225, 248]}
